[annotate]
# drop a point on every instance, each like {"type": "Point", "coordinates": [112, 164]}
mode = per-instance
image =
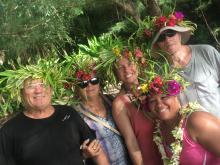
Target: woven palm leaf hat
{"type": "Point", "coordinates": [11, 81]}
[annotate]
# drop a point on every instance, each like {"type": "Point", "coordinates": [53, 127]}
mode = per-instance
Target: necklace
{"type": "Point", "coordinates": [177, 133]}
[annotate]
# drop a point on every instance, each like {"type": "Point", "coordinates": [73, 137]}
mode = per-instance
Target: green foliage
{"type": "Point", "coordinates": [32, 27]}
{"type": "Point", "coordinates": [11, 82]}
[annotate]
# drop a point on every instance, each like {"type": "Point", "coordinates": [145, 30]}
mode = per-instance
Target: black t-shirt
{"type": "Point", "coordinates": [51, 141]}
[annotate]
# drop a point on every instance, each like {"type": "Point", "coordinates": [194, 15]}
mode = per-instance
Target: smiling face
{"type": "Point", "coordinates": [91, 90]}
{"type": "Point", "coordinates": [170, 44]}
{"type": "Point", "coordinates": [164, 107]}
{"type": "Point", "coordinates": [127, 71]}
{"type": "Point", "coordinates": [36, 95]}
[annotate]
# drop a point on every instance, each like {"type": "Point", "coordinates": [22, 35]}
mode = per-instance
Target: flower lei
{"type": "Point", "coordinates": [177, 132]}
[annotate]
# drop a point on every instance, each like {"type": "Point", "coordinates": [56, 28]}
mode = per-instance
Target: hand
{"type": "Point", "coordinates": [90, 149]}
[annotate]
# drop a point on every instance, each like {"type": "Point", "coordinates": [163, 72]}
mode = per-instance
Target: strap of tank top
{"type": "Point", "coordinates": [204, 161]}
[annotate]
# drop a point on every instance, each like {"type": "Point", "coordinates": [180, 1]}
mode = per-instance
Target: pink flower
{"type": "Point", "coordinates": [172, 21]}
{"type": "Point", "coordinates": [179, 16]}
{"type": "Point", "coordinates": [138, 53]}
{"type": "Point", "coordinates": [173, 88]}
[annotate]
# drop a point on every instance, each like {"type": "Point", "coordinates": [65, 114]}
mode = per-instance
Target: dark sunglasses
{"type": "Point", "coordinates": [167, 33]}
{"type": "Point", "coordinates": [84, 84]}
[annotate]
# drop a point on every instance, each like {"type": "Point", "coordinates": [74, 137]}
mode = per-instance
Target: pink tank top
{"type": "Point", "coordinates": [194, 154]}
{"type": "Point", "coordinates": [143, 129]}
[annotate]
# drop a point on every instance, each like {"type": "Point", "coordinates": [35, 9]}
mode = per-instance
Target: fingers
{"type": "Point", "coordinates": [85, 143]}
{"type": "Point", "coordinates": [95, 145]}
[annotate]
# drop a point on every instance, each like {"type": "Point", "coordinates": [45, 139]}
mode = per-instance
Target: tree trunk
{"type": "Point", "coordinates": [130, 8]}
{"type": "Point", "coordinates": [152, 6]}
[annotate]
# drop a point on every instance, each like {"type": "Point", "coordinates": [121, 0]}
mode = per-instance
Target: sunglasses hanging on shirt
{"type": "Point", "coordinates": [84, 84]}
{"type": "Point", "coordinates": [167, 33]}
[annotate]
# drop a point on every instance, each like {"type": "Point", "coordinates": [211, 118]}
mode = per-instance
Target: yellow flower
{"type": "Point", "coordinates": [117, 51]}
{"type": "Point", "coordinates": [144, 88]}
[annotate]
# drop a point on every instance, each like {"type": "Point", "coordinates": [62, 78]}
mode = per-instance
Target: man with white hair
{"type": "Point", "coordinates": [199, 64]}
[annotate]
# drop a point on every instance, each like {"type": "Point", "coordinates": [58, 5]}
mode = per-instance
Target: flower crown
{"type": "Point", "coordinates": [172, 20]}
{"type": "Point", "coordinates": [169, 84]}
{"type": "Point", "coordinates": [149, 27]}
{"type": "Point", "coordinates": [134, 55]}
{"type": "Point", "coordinates": [79, 67]}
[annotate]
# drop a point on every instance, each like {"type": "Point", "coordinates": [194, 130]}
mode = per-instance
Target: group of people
{"type": "Point", "coordinates": [159, 125]}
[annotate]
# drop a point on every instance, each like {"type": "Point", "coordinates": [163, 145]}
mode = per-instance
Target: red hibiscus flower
{"type": "Point", "coordinates": [79, 74]}
{"type": "Point", "coordinates": [156, 85]}
{"type": "Point", "coordinates": [160, 22]}
{"type": "Point", "coordinates": [86, 77]}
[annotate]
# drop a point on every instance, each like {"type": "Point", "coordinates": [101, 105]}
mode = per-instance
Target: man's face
{"type": "Point", "coordinates": [169, 41]}
{"type": "Point", "coordinates": [36, 95]}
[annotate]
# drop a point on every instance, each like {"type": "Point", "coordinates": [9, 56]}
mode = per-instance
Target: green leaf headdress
{"type": "Point", "coordinates": [114, 52]}
{"type": "Point", "coordinates": [79, 67]}
{"type": "Point", "coordinates": [11, 81]}
{"type": "Point", "coordinates": [101, 50]}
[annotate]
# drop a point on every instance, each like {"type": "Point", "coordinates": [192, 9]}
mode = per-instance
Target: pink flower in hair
{"type": "Point", "coordinates": [173, 88]}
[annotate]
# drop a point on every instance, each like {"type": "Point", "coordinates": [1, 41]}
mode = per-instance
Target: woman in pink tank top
{"type": "Point", "coordinates": [135, 127]}
{"type": "Point", "coordinates": [184, 135]}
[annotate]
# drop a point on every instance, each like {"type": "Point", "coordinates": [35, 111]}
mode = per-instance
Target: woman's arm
{"type": "Point", "coordinates": [204, 129]}
{"type": "Point", "coordinates": [122, 120]}
{"type": "Point", "coordinates": [94, 150]}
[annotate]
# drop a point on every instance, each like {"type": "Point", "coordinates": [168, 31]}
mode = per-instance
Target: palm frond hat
{"type": "Point", "coordinates": [11, 81]}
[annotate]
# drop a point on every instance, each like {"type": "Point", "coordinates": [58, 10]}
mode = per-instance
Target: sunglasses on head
{"type": "Point", "coordinates": [167, 33]}
{"type": "Point", "coordinates": [84, 84]}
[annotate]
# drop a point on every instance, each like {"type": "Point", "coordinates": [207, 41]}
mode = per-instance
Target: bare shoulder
{"type": "Point", "coordinates": [202, 121]}
{"type": "Point", "coordinates": [119, 103]}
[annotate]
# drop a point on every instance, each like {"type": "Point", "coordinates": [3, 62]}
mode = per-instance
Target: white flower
{"type": "Point", "coordinates": [177, 132]}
